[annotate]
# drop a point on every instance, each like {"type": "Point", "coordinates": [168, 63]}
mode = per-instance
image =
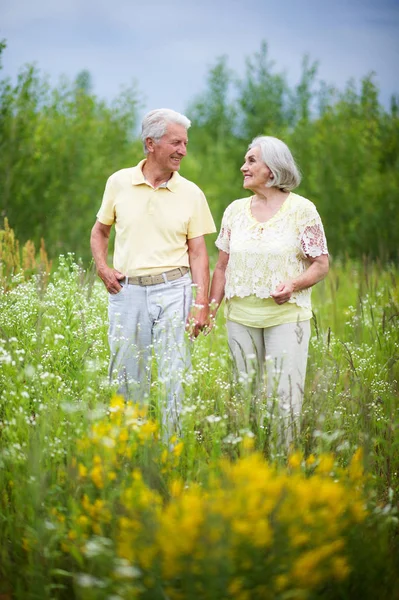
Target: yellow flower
{"type": "Point", "coordinates": [356, 470]}
{"type": "Point", "coordinates": [282, 582]}
{"type": "Point", "coordinates": [295, 460]}
{"type": "Point", "coordinates": [178, 448]}
{"type": "Point", "coordinates": [97, 477]}
{"type": "Point", "coordinates": [235, 587]}
{"type": "Point", "coordinates": [25, 544]}
{"type": "Point", "coordinates": [340, 568]}
{"type": "Point", "coordinates": [82, 470]}
{"type": "Point", "coordinates": [248, 443]}
{"type": "Point", "coordinates": [176, 487]}
{"type": "Point", "coordinates": [124, 435]}
{"type": "Point", "coordinates": [310, 460]}
{"type": "Point", "coordinates": [83, 521]}
{"type": "Point", "coordinates": [117, 404]}
{"type": "Point", "coordinates": [97, 529]}
{"type": "Point", "coordinates": [326, 464]}
{"type": "Point", "coordinates": [147, 429]}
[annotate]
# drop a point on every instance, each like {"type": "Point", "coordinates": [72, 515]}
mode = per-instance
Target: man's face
{"type": "Point", "coordinates": [171, 148]}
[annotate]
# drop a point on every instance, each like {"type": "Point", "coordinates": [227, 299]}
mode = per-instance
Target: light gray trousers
{"type": "Point", "coordinates": [276, 356]}
{"type": "Point", "coordinates": [147, 319]}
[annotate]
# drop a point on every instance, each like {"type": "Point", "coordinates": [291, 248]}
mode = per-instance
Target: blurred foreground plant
{"type": "Point", "coordinates": [17, 264]}
{"type": "Point", "coordinates": [249, 530]}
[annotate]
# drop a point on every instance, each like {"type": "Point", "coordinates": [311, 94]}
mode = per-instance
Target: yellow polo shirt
{"type": "Point", "coordinates": [153, 225]}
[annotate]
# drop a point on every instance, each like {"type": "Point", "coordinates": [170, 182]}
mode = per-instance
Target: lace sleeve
{"type": "Point", "coordinates": [313, 241]}
{"type": "Point", "coordinates": [223, 239]}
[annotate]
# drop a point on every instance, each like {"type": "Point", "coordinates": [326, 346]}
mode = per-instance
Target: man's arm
{"type": "Point", "coordinates": [199, 266]}
{"type": "Point", "coordinates": [99, 247]}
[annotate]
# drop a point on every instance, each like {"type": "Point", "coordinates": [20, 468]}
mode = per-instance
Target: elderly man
{"type": "Point", "coordinates": [160, 222]}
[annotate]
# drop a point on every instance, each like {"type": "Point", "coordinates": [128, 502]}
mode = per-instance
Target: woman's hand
{"type": "Point", "coordinates": [316, 272]}
{"type": "Point", "coordinates": [283, 292]}
{"type": "Point", "coordinates": [213, 307]}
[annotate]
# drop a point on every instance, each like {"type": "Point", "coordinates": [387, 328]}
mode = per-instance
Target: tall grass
{"type": "Point", "coordinates": [94, 505]}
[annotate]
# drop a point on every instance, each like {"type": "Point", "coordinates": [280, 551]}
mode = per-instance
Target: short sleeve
{"type": "Point", "coordinates": [106, 214]}
{"type": "Point", "coordinates": [223, 239]}
{"type": "Point", "coordinates": [313, 239]}
{"type": "Point", "coordinates": [201, 221]}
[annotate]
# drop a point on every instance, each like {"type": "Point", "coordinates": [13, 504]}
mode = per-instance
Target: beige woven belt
{"type": "Point", "coordinates": [156, 279]}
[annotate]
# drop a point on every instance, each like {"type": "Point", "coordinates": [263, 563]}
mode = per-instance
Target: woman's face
{"type": "Point", "coordinates": [256, 173]}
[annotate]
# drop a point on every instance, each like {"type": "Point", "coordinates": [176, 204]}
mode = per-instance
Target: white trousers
{"type": "Point", "coordinates": [146, 320]}
{"type": "Point", "coordinates": [275, 356]}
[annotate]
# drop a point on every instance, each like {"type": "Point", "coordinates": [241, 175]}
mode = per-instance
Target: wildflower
{"type": "Point", "coordinates": [310, 461]}
{"type": "Point", "coordinates": [83, 521]}
{"type": "Point", "coordinates": [82, 470]}
{"type": "Point", "coordinates": [147, 430]}
{"type": "Point", "coordinates": [88, 581]}
{"type": "Point", "coordinates": [178, 449]}
{"type": "Point", "coordinates": [326, 464]}
{"type": "Point", "coordinates": [25, 544]}
{"type": "Point", "coordinates": [295, 460]}
{"type": "Point", "coordinates": [96, 475]}
{"type": "Point", "coordinates": [125, 570]}
{"type": "Point", "coordinates": [356, 471]}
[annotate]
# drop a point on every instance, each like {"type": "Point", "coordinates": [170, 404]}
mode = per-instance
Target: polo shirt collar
{"type": "Point", "coordinates": [138, 177]}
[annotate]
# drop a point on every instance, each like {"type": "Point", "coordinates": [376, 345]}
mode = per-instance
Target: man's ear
{"type": "Point", "coordinates": [149, 142]}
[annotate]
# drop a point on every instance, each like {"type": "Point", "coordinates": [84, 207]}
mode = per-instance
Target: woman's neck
{"type": "Point", "coordinates": [271, 195]}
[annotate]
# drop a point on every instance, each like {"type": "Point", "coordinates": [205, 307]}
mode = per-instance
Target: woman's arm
{"type": "Point", "coordinates": [316, 272]}
{"type": "Point", "coordinates": [199, 266]}
{"type": "Point", "coordinates": [218, 282]}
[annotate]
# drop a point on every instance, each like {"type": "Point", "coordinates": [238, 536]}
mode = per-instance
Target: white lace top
{"type": "Point", "coordinates": [262, 255]}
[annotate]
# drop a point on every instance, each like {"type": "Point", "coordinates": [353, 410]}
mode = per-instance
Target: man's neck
{"type": "Point", "coordinates": [154, 175]}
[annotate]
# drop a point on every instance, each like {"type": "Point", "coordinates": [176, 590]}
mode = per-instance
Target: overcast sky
{"type": "Point", "coordinates": [168, 47]}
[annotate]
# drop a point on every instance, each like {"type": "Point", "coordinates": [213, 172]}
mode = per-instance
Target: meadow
{"type": "Point", "coordinates": [94, 506]}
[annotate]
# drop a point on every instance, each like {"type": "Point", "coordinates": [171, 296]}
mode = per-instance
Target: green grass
{"type": "Point", "coordinates": [54, 388]}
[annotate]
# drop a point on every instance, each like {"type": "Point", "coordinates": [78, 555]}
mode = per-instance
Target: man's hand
{"type": "Point", "coordinates": [111, 279]}
{"type": "Point", "coordinates": [283, 292]}
{"type": "Point", "coordinates": [99, 247]}
{"type": "Point", "coordinates": [197, 320]}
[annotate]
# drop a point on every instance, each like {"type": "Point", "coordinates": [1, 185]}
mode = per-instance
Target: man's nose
{"type": "Point", "coordinates": [182, 149]}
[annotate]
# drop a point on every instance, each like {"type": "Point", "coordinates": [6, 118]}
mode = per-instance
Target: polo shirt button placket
{"type": "Point", "coordinates": [151, 202]}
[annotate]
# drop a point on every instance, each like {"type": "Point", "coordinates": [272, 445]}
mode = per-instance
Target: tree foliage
{"type": "Point", "coordinates": [59, 144]}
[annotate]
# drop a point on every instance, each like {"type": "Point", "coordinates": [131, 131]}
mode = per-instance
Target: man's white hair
{"type": "Point", "coordinates": [155, 123]}
{"type": "Point", "coordinates": [277, 156]}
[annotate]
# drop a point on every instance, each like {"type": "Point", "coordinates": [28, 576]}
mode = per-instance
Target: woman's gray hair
{"type": "Point", "coordinates": [155, 123]}
{"type": "Point", "coordinates": [277, 156]}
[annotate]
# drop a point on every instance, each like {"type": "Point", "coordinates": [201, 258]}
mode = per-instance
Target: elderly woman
{"type": "Point", "coordinates": [272, 250]}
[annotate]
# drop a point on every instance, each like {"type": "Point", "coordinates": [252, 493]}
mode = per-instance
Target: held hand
{"type": "Point", "coordinates": [283, 292]}
{"type": "Point", "coordinates": [213, 308]}
{"type": "Point", "coordinates": [111, 279]}
{"type": "Point", "coordinates": [197, 319]}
